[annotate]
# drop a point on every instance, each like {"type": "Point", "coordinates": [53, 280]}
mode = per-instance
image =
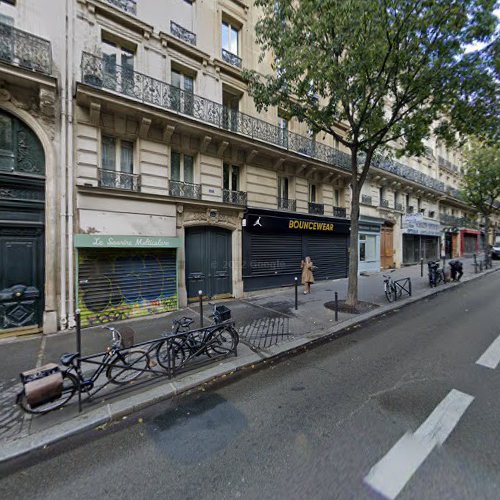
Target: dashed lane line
{"type": "Point", "coordinates": [491, 357]}
{"type": "Point", "coordinates": [390, 475]}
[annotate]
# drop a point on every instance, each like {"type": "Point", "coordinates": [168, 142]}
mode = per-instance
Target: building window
{"type": "Point", "coordinates": [367, 248]}
{"type": "Point", "coordinates": [282, 130]}
{"type": "Point", "coordinates": [230, 35]}
{"type": "Point", "coordinates": [118, 67]}
{"type": "Point", "coordinates": [230, 107]}
{"type": "Point", "coordinates": [312, 193]}
{"type": "Point", "coordinates": [117, 162]}
{"type": "Point", "coordinates": [336, 194]}
{"type": "Point", "coordinates": [283, 183]}
{"type": "Point", "coordinates": [182, 168]}
{"type": "Point", "coordinates": [231, 177]}
{"type": "Point", "coordinates": [182, 93]}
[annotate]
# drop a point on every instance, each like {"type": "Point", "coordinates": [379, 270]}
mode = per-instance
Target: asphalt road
{"type": "Point", "coordinates": [399, 405]}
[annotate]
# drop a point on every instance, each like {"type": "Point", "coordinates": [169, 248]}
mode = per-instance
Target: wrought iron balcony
{"type": "Point", "coordinates": [409, 210]}
{"type": "Point", "coordinates": [367, 200]}
{"type": "Point", "coordinates": [339, 212]}
{"type": "Point", "coordinates": [184, 190]}
{"type": "Point", "coordinates": [286, 204]}
{"type": "Point", "coordinates": [118, 180]}
{"type": "Point", "coordinates": [25, 50]}
{"type": "Point", "coordinates": [128, 6]}
{"type": "Point", "coordinates": [399, 207]}
{"type": "Point", "coordinates": [447, 165]}
{"type": "Point", "coordinates": [316, 208]}
{"type": "Point", "coordinates": [384, 203]}
{"type": "Point", "coordinates": [155, 92]}
{"type": "Point", "coordinates": [231, 58]}
{"type": "Point", "coordinates": [234, 197]}
{"type": "Point", "coordinates": [182, 33]}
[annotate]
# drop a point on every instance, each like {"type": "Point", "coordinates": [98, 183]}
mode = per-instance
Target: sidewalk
{"type": "Point", "coordinates": [268, 325]}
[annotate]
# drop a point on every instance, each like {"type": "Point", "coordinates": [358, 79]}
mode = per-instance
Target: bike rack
{"type": "Point", "coordinates": [196, 358]}
{"type": "Point", "coordinates": [402, 285]}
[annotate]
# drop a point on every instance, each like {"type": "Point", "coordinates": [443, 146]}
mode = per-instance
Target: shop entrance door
{"type": "Point", "coordinates": [208, 262]}
{"type": "Point", "coordinates": [386, 247]}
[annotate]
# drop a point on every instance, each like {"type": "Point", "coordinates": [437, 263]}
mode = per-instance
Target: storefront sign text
{"type": "Point", "coordinates": [415, 224]}
{"type": "Point", "coordinates": [108, 241]}
{"type": "Point", "coordinates": [312, 226]}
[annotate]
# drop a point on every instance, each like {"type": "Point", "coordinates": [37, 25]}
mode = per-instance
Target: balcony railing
{"type": "Point", "coordinates": [231, 58]}
{"type": "Point", "coordinates": [399, 207]}
{"type": "Point", "coordinates": [184, 190]}
{"type": "Point", "coordinates": [447, 165]}
{"type": "Point", "coordinates": [384, 203]}
{"type": "Point", "coordinates": [118, 180]}
{"type": "Point", "coordinates": [316, 208]}
{"type": "Point", "coordinates": [128, 6]}
{"type": "Point", "coordinates": [453, 220]}
{"type": "Point", "coordinates": [25, 50]}
{"type": "Point", "coordinates": [339, 212]}
{"type": "Point", "coordinates": [182, 33]}
{"type": "Point", "coordinates": [409, 210]}
{"type": "Point", "coordinates": [366, 199]}
{"type": "Point", "coordinates": [234, 197]}
{"type": "Point", "coordinates": [158, 93]}
{"type": "Point", "coordinates": [286, 204]}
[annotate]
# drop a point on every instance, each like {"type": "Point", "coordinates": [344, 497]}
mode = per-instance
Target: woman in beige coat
{"type": "Point", "coordinates": [307, 274]}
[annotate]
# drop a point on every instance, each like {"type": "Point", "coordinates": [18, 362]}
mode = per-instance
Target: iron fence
{"type": "Point", "coordinates": [339, 212]}
{"type": "Point", "coordinates": [128, 6]}
{"type": "Point", "coordinates": [158, 93]}
{"type": "Point", "coordinates": [384, 203]}
{"type": "Point", "coordinates": [287, 204]}
{"type": "Point", "coordinates": [231, 58]}
{"type": "Point", "coordinates": [184, 190]}
{"type": "Point", "coordinates": [316, 208]}
{"type": "Point", "coordinates": [25, 50]}
{"type": "Point", "coordinates": [118, 180]}
{"type": "Point", "coordinates": [182, 33]}
{"type": "Point", "coordinates": [399, 207]}
{"type": "Point", "coordinates": [234, 197]}
{"type": "Point", "coordinates": [366, 199]}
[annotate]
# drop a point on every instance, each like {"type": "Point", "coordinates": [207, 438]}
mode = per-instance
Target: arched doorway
{"type": "Point", "coordinates": [208, 262]}
{"type": "Point", "coordinates": [22, 225]}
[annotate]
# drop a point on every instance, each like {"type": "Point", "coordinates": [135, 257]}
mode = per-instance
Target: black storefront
{"type": "Point", "coordinates": [274, 243]}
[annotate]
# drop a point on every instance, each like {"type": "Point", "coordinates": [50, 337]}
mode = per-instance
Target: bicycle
{"type": "Point", "coordinates": [120, 365]}
{"type": "Point", "coordinates": [436, 274]}
{"type": "Point", "coordinates": [392, 292]}
{"type": "Point", "coordinates": [219, 338]}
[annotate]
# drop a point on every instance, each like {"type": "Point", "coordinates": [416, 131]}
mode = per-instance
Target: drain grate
{"type": "Point", "coordinates": [265, 332]}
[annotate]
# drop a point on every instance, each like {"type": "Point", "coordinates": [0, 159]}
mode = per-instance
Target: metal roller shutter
{"type": "Point", "coordinates": [275, 253]}
{"type": "Point", "coordinates": [120, 284]}
{"type": "Point", "coordinates": [329, 255]}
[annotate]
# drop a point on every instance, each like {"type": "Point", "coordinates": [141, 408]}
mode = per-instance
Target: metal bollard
{"type": "Point", "coordinates": [421, 268]}
{"type": "Point", "coordinates": [481, 266]}
{"type": "Point", "coordinates": [296, 293]}
{"type": "Point", "coordinates": [200, 295]}
{"type": "Point", "coordinates": [336, 306]}
{"type": "Point", "coordinates": [78, 330]}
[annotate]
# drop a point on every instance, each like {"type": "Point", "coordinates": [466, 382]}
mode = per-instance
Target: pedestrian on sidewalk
{"type": "Point", "coordinates": [307, 267]}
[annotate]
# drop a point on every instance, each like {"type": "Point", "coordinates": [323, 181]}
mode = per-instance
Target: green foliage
{"type": "Point", "coordinates": [481, 182]}
{"type": "Point", "coordinates": [389, 69]}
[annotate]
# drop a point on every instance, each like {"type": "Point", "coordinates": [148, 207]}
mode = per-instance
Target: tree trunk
{"type": "Point", "coordinates": [486, 233]}
{"type": "Point", "coordinates": [352, 285]}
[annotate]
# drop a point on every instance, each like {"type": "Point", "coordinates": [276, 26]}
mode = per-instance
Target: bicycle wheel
{"type": "Point", "coordinates": [388, 292]}
{"type": "Point", "coordinates": [70, 385]}
{"type": "Point", "coordinates": [127, 366]}
{"type": "Point", "coordinates": [178, 353]}
{"type": "Point", "coordinates": [222, 340]}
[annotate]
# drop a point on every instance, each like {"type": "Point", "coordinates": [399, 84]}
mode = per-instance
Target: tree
{"type": "Point", "coordinates": [388, 69]}
{"type": "Point", "coordinates": [481, 182]}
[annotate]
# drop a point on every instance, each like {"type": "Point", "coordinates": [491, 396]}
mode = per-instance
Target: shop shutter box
{"type": "Point", "coordinates": [116, 284]}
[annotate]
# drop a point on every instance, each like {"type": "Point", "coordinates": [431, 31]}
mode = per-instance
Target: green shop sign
{"type": "Point", "coordinates": [116, 241]}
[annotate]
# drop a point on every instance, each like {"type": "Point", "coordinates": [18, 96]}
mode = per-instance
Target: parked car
{"type": "Point", "coordinates": [495, 250]}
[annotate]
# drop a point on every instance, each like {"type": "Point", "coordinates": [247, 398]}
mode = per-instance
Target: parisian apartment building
{"type": "Point", "coordinates": [135, 171]}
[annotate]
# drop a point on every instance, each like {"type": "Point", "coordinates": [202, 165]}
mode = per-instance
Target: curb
{"type": "Point", "coordinates": [116, 410]}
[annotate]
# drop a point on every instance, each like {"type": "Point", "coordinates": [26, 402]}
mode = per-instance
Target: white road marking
{"type": "Point", "coordinates": [491, 356]}
{"type": "Point", "coordinates": [390, 475]}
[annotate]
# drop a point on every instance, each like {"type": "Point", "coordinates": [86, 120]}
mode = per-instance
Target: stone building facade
{"type": "Point", "coordinates": [160, 179]}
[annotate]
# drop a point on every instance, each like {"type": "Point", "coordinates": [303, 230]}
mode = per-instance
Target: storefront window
{"type": "Point", "coordinates": [367, 248]}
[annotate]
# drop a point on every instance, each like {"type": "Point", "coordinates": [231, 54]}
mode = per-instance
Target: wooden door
{"type": "Point", "coordinates": [386, 247]}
